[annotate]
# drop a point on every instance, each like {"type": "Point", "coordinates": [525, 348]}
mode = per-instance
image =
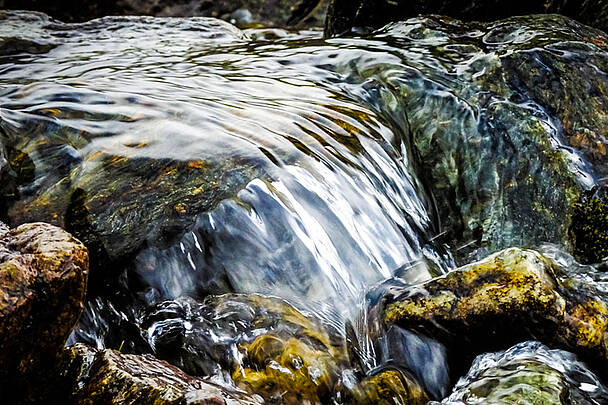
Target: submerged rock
{"type": "Point", "coordinates": [118, 201]}
{"type": "Point", "coordinates": [90, 376]}
{"type": "Point", "coordinates": [511, 296]}
{"type": "Point", "coordinates": [263, 344]}
{"type": "Point", "coordinates": [43, 278]}
{"type": "Point", "coordinates": [528, 374]}
{"type": "Point", "coordinates": [267, 347]}
{"type": "Point", "coordinates": [517, 140]}
{"type": "Point", "coordinates": [347, 16]}
{"type": "Point", "coordinates": [386, 388]}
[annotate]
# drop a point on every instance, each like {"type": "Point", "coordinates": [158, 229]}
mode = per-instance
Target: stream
{"type": "Point", "coordinates": [231, 183]}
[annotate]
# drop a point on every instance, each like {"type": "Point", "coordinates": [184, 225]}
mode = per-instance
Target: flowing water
{"type": "Point", "coordinates": [300, 180]}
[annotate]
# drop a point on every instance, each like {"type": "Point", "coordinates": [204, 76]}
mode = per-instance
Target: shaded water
{"type": "Point", "coordinates": [200, 159]}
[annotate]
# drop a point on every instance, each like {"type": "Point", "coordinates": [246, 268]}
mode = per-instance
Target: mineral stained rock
{"type": "Point", "coordinates": [346, 16]}
{"type": "Point", "coordinates": [528, 374]}
{"type": "Point", "coordinates": [43, 278]}
{"type": "Point", "coordinates": [511, 296]}
{"type": "Point", "coordinates": [90, 376]}
{"type": "Point", "coordinates": [517, 144]}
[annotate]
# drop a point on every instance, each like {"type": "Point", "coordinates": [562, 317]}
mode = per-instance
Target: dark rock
{"type": "Point", "coordinates": [43, 277]}
{"type": "Point", "coordinates": [90, 376]}
{"type": "Point", "coordinates": [509, 297]}
{"type": "Point", "coordinates": [528, 374]}
{"type": "Point", "coordinates": [348, 16]}
{"type": "Point", "coordinates": [265, 12]}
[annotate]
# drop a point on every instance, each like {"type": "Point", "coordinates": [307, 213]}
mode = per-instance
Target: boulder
{"type": "Point", "coordinates": [509, 297]}
{"type": "Point", "coordinates": [355, 16]}
{"type": "Point", "coordinates": [43, 278]}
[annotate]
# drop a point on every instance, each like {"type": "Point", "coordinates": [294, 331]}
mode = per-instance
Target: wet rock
{"type": "Point", "coordinates": [43, 277]}
{"type": "Point", "coordinates": [266, 12]}
{"type": "Point", "coordinates": [346, 16]}
{"type": "Point", "coordinates": [528, 374]}
{"type": "Point", "coordinates": [118, 202]}
{"type": "Point", "coordinates": [106, 376]}
{"type": "Point", "coordinates": [386, 388]}
{"type": "Point", "coordinates": [511, 296]}
{"type": "Point", "coordinates": [263, 344]}
{"type": "Point", "coordinates": [518, 135]}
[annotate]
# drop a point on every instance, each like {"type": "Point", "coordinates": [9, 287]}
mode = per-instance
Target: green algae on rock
{"type": "Point", "coordinates": [43, 278]}
{"type": "Point", "coordinates": [511, 296]}
{"type": "Point", "coordinates": [348, 16]}
{"type": "Point", "coordinates": [528, 374]}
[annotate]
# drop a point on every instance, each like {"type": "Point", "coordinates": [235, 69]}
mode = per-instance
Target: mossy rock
{"type": "Point", "coordinates": [589, 230]}
{"type": "Point", "coordinates": [511, 296]}
{"type": "Point", "coordinates": [84, 375]}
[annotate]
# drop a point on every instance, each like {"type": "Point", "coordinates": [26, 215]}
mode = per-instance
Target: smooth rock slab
{"type": "Point", "coordinates": [511, 296]}
{"type": "Point", "coordinates": [43, 278]}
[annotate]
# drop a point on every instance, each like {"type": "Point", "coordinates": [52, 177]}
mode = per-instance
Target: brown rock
{"type": "Point", "coordinates": [91, 376]}
{"type": "Point", "coordinates": [43, 277]}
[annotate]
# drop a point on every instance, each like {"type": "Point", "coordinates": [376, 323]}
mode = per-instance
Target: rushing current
{"type": "Point", "coordinates": [213, 160]}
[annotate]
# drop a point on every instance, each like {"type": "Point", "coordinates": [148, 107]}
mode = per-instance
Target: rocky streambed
{"type": "Point", "coordinates": [408, 213]}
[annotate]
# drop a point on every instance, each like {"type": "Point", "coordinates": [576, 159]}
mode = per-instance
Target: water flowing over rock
{"type": "Point", "coordinates": [516, 145]}
{"type": "Point", "coordinates": [195, 159]}
{"type": "Point", "coordinates": [43, 276]}
{"type": "Point", "coordinates": [262, 344]}
{"type": "Point", "coordinates": [273, 13]}
{"type": "Point", "coordinates": [356, 16]}
{"type": "Point", "coordinates": [528, 374]}
{"type": "Point", "coordinates": [166, 185]}
{"type": "Point", "coordinates": [511, 296]}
